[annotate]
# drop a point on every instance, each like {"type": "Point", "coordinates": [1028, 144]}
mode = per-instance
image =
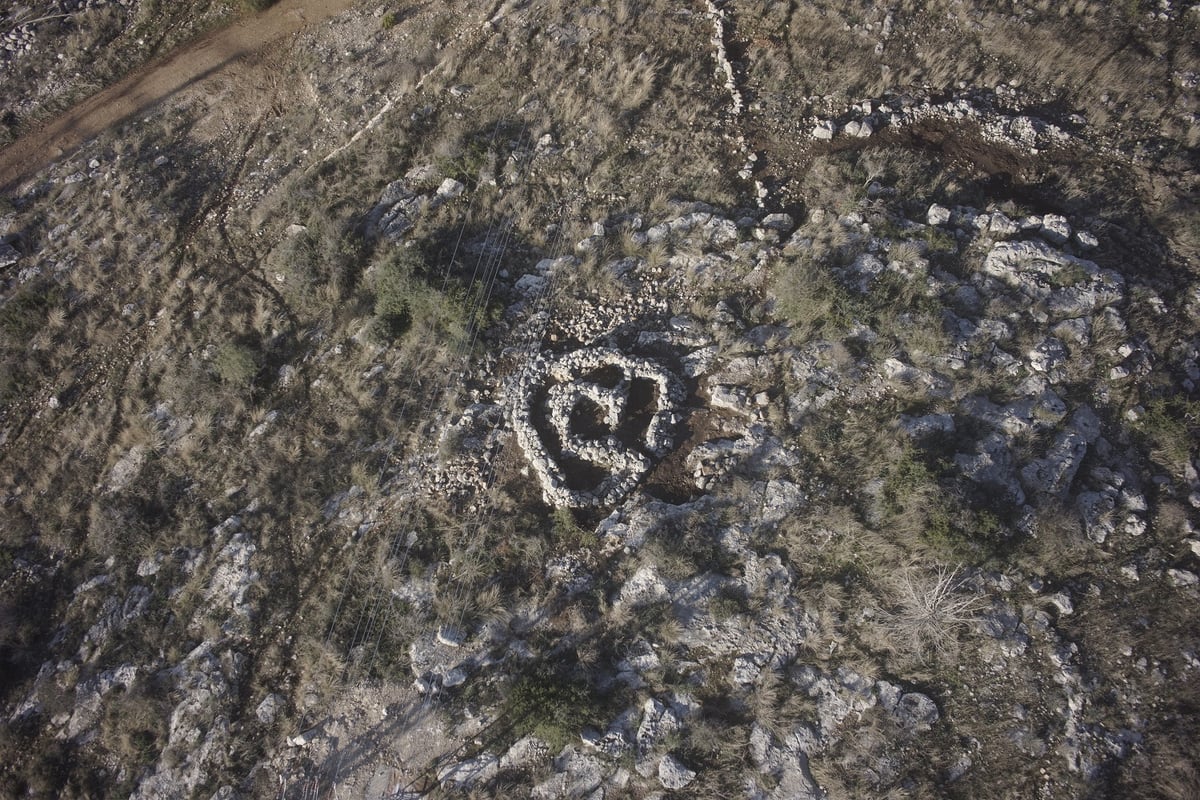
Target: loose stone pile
{"type": "Point", "coordinates": [564, 381]}
{"type": "Point", "coordinates": [724, 66]}
{"type": "Point", "coordinates": [985, 109]}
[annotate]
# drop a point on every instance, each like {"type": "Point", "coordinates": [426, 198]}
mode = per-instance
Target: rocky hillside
{"type": "Point", "coordinates": [727, 399]}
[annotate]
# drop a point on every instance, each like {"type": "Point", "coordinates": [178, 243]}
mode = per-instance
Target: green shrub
{"type": "Point", "coordinates": [235, 364]}
{"type": "Point", "coordinates": [725, 606]}
{"type": "Point", "coordinates": [807, 297]}
{"type": "Point", "coordinates": [915, 503]}
{"type": "Point", "coordinates": [396, 290]}
{"type": "Point", "coordinates": [552, 705]}
{"type": "Point", "coordinates": [1168, 426]}
{"type": "Point", "coordinates": [405, 301]}
{"type": "Point", "coordinates": [389, 20]}
{"type": "Point", "coordinates": [25, 314]}
{"type": "Point", "coordinates": [568, 533]}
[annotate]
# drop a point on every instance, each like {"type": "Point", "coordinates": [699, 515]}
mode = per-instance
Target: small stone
{"type": "Point", "coordinates": [824, 130]}
{"type": "Point", "coordinates": [450, 188]}
{"type": "Point", "coordinates": [1182, 578]}
{"type": "Point", "coordinates": [745, 669]}
{"type": "Point", "coordinates": [268, 708]}
{"type": "Point", "coordinates": [1055, 229]}
{"type": "Point", "coordinates": [860, 129]}
{"type": "Point", "coordinates": [8, 254]}
{"type": "Point", "coordinates": [1086, 239]}
{"type": "Point", "coordinates": [916, 712]}
{"type": "Point", "coordinates": [525, 753]}
{"type": "Point", "coordinates": [304, 739]}
{"type": "Point", "coordinates": [450, 636]}
{"type": "Point", "coordinates": [779, 222]}
{"type": "Point", "coordinates": [672, 774]}
{"type": "Point", "coordinates": [530, 285]}
{"type": "Point", "coordinates": [1000, 225]}
{"type": "Point", "coordinates": [1062, 601]}
{"type": "Point", "coordinates": [149, 565]}
{"type": "Point", "coordinates": [937, 215]}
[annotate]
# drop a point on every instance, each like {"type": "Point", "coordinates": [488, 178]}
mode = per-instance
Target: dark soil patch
{"type": "Point", "coordinates": [670, 479]}
{"type": "Point", "coordinates": [587, 419]}
{"type": "Point", "coordinates": [642, 406]}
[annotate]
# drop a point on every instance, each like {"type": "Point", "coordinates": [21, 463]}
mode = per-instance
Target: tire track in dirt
{"type": "Point", "coordinates": [152, 84]}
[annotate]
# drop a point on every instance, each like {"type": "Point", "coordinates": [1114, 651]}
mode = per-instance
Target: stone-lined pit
{"type": "Point", "coordinates": [593, 422]}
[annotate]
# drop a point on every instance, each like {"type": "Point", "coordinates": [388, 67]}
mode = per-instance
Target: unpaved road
{"type": "Point", "coordinates": [157, 81]}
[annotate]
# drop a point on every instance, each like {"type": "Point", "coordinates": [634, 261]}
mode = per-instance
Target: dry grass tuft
{"type": "Point", "coordinates": [931, 611]}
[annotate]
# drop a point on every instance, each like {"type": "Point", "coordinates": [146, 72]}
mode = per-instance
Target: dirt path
{"type": "Point", "coordinates": [155, 82]}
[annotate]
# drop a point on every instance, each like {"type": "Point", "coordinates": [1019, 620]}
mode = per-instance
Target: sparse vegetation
{"type": "Point", "coordinates": [551, 704]}
{"type": "Point", "coordinates": [932, 609]}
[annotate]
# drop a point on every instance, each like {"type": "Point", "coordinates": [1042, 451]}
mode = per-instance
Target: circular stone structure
{"type": "Point", "coordinates": [592, 422]}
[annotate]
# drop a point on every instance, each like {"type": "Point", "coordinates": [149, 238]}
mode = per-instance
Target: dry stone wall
{"type": "Point", "coordinates": [565, 383]}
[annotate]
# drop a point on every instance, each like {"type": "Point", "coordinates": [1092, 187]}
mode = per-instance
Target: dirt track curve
{"type": "Point", "coordinates": [155, 82]}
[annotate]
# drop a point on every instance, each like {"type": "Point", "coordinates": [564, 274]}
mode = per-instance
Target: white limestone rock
{"type": "Point", "coordinates": [9, 255]}
{"type": "Point", "coordinates": [937, 215]}
{"type": "Point", "coordinates": [1096, 509]}
{"type": "Point", "coordinates": [860, 129]}
{"type": "Point", "coordinates": [779, 222]}
{"type": "Point", "coordinates": [472, 772]}
{"type": "Point", "coordinates": [575, 775]}
{"type": "Point", "coordinates": [267, 710]}
{"type": "Point", "coordinates": [780, 498]}
{"type": "Point", "coordinates": [824, 131]}
{"type": "Point", "coordinates": [933, 385]}
{"type": "Point", "coordinates": [643, 587]}
{"type": "Point", "coordinates": [618, 739]}
{"type": "Point", "coordinates": [1001, 227]}
{"type": "Point", "coordinates": [527, 753]}
{"type": "Point", "coordinates": [1048, 356]}
{"type": "Point", "coordinates": [673, 774]}
{"type": "Point", "coordinates": [530, 285]}
{"type": "Point", "coordinates": [1055, 229]}
{"type": "Point", "coordinates": [926, 425]}
{"type": "Point", "coordinates": [786, 763]}
{"type": "Point", "coordinates": [450, 188]}
{"type": "Point", "coordinates": [915, 712]}
{"type": "Point", "coordinates": [1182, 578]}
{"type": "Point", "coordinates": [992, 465]}
{"type": "Point", "coordinates": [659, 721]}
{"type": "Point", "coordinates": [126, 469]}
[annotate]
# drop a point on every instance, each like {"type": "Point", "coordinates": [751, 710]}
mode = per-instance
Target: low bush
{"type": "Point", "coordinates": [405, 302]}
{"type": "Point", "coordinates": [235, 364]}
{"type": "Point", "coordinates": [1168, 426]}
{"type": "Point", "coordinates": [551, 704]}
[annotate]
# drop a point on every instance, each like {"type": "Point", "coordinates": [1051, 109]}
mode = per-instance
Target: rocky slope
{"type": "Point", "coordinates": [531, 401]}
